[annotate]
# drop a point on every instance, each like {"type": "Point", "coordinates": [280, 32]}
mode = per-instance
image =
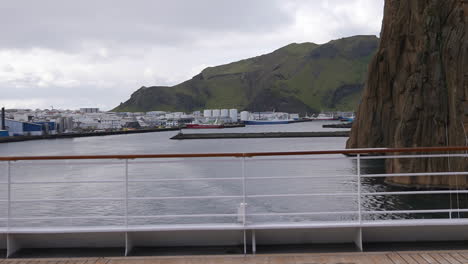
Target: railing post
{"type": "Point", "coordinates": [244, 201]}
{"type": "Point", "coordinates": [244, 204]}
{"type": "Point", "coordinates": [9, 194]}
{"type": "Point", "coordinates": [126, 193]}
{"type": "Point", "coordinates": [359, 186]}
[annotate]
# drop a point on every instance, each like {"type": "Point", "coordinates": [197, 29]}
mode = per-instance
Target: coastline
{"type": "Point", "coordinates": [98, 134]}
{"type": "Point", "coordinates": [88, 134]}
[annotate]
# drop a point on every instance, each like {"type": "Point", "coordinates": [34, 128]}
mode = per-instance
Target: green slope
{"type": "Point", "coordinates": [296, 78]}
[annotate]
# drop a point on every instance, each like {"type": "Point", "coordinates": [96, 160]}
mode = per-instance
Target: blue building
{"type": "Point", "coordinates": [48, 127]}
{"type": "Point", "coordinates": [3, 133]}
{"type": "Point", "coordinates": [18, 128]}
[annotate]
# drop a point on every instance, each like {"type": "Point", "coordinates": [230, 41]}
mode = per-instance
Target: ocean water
{"type": "Point", "coordinates": [193, 191]}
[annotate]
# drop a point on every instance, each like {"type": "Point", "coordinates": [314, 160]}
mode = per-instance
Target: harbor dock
{"type": "Point", "coordinates": [98, 134]}
{"type": "Point", "coordinates": [86, 134]}
{"type": "Point", "coordinates": [344, 125]}
{"type": "Point", "coordinates": [181, 136]}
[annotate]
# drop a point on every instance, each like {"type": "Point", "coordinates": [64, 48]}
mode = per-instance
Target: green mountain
{"type": "Point", "coordinates": [302, 78]}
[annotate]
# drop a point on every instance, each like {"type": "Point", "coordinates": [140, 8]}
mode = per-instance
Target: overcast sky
{"type": "Point", "coordinates": [95, 53]}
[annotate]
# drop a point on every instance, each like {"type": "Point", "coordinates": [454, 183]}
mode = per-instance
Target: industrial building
{"type": "Point", "coordinates": [89, 110]}
{"type": "Point", "coordinates": [48, 127]}
{"type": "Point", "coordinates": [18, 128]}
{"type": "Point", "coordinates": [64, 124]}
{"type": "Point", "coordinates": [228, 116]}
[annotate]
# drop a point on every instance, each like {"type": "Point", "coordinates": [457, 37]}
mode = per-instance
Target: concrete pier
{"type": "Point", "coordinates": [181, 136]}
{"type": "Point", "coordinates": [343, 125]}
{"type": "Point", "coordinates": [87, 134]}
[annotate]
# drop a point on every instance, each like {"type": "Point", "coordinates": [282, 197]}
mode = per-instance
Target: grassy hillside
{"type": "Point", "coordinates": [296, 78]}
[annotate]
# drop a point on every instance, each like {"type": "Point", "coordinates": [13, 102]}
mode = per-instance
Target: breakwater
{"type": "Point", "coordinates": [182, 136]}
{"type": "Point", "coordinates": [344, 125]}
{"type": "Point", "coordinates": [87, 134]}
{"type": "Point", "coordinates": [234, 125]}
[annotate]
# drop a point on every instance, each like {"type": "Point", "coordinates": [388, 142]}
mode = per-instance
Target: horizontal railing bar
{"type": "Point", "coordinates": [130, 198]}
{"type": "Point", "coordinates": [67, 217]}
{"type": "Point", "coordinates": [241, 155]}
{"type": "Point", "coordinates": [186, 179]}
{"type": "Point", "coordinates": [182, 216]}
{"type": "Point", "coordinates": [34, 163]}
{"type": "Point", "coordinates": [235, 215]}
{"type": "Point", "coordinates": [68, 200]}
{"type": "Point", "coordinates": [235, 226]}
{"type": "Point", "coordinates": [122, 217]}
{"type": "Point", "coordinates": [311, 158]}
{"type": "Point", "coordinates": [416, 211]}
{"type": "Point", "coordinates": [415, 192]}
{"type": "Point", "coordinates": [299, 195]}
{"type": "Point", "coordinates": [136, 162]}
{"type": "Point", "coordinates": [237, 196]}
{"type": "Point", "coordinates": [299, 214]}
{"type": "Point", "coordinates": [301, 177]}
{"type": "Point", "coordinates": [413, 174]}
{"type": "Point", "coordinates": [150, 180]}
{"type": "Point", "coordinates": [121, 157]}
{"type": "Point", "coordinates": [187, 159]}
{"type": "Point", "coordinates": [186, 197]}
{"type": "Point", "coordinates": [72, 182]}
{"type": "Point", "coordinates": [415, 156]}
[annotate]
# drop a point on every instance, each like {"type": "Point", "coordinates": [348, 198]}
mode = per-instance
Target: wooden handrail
{"type": "Point", "coordinates": [240, 155]}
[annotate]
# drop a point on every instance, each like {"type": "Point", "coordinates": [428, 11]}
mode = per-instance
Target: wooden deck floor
{"type": "Point", "coordinates": [432, 257]}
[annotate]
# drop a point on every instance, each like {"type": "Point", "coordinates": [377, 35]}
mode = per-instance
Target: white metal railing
{"type": "Point", "coordinates": [245, 192]}
{"type": "Point", "coordinates": [239, 207]}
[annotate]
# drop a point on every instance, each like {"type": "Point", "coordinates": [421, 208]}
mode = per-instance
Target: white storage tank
{"type": "Point", "coordinates": [224, 113]}
{"type": "Point", "coordinates": [233, 115]}
{"type": "Point", "coordinates": [216, 113]}
{"type": "Point", "coordinates": [207, 113]}
{"type": "Point", "coordinates": [244, 115]}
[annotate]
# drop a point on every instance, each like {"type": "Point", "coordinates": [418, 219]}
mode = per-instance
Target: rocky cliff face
{"type": "Point", "coordinates": [417, 88]}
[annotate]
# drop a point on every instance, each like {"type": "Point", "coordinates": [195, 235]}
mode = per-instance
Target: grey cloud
{"type": "Point", "coordinates": [66, 24]}
{"type": "Point", "coordinates": [62, 97]}
{"type": "Point", "coordinates": [96, 52]}
{"type": "Point", "coordinates": [8, 68]}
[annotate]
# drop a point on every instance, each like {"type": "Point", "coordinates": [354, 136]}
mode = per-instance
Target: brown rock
{"type": "Point", "coordinates": [417, 89]}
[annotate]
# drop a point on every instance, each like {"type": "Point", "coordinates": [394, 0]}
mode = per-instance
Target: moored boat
{"type": "Point", "coordinates": [347, 119]}
{"type": "Point", "coordinates": [324, 117]}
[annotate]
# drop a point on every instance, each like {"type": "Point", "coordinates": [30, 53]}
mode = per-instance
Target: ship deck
{"type": "Point", "coordinates": [393, 257]}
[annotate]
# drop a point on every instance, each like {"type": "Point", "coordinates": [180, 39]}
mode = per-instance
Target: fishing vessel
{"type": "Point", "coordinates": [324, 117]}
{"type": "Point", "coordinates": [347, 119]}
{"type": "Point", "coordinates": [210, 125]}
